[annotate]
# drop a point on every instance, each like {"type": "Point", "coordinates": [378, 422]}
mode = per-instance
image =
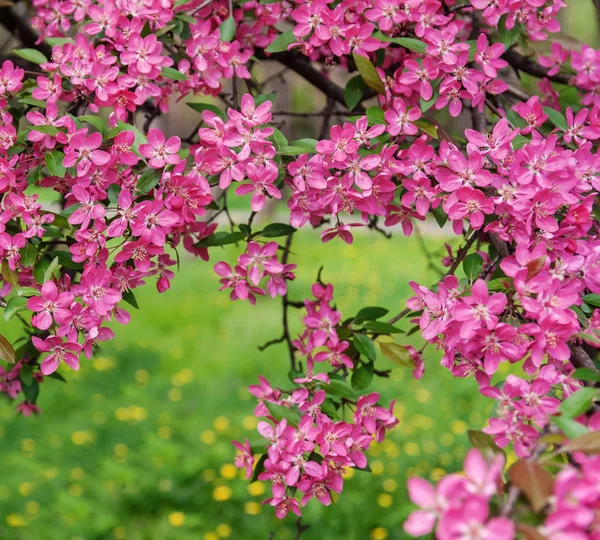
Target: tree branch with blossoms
{"type": "Point", "coordinates": [520, 187]}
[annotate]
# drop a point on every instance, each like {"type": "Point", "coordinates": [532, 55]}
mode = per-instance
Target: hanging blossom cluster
{"type": "Point", "coordinates": [308, 447]}
{"type": "Point", "coordinates": [521, 192]}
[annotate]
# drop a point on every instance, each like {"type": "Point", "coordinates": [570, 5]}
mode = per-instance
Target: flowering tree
{"type": "Point", "coordinates": [519, 186]}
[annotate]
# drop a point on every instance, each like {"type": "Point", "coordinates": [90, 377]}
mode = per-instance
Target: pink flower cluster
{"type": "Point", "coordinates": [307, 447]}
{"type": "Point", "coordinates": [256, 263]}
{"type": "Point", "coordinates": [459, 506]}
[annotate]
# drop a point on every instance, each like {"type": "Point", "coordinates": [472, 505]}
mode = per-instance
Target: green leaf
{"type": "Point", "coordinates": [368, 72]}
{"type": "Point", "coordinates": [54, 164]}
{"type": "Point", "coordinates": [274, 230]}
{"type": "Point", "coordinates": [499, 284]}
{"type": "Point", "coordinates": [14, 305]}
{"type": "Point", "coordinates": [411, 44]}
{"type": "Point", "coordinates": [557, 118]}
{"type": "Point", "coordinates": [32, 391]}
{"type": "Point", "coordinates": [129, 297]}
{"type": "Point", "coordinates": [378, 327]}
{"type": "Point", "coordinates": [578, 403]}
{"type": "Point", "coordinates": [52, 41]}
{"type": "Point", "coordinates": [440, 216]}
{"type": "Point", "coordinates": [362, 377]}
{"type": "Point", "coordinates": [281, 42]}
{"type": "Point", "coordinates": [508, 37]}
{"type": "Point", "coordinates": [279, 412]}
{"type": "Point", "coordinates": [47, 130]}
{"type": "Point", "coordinates": [27, 100]}
{"type": "Point", "coordinates": [293, 150]}
{"type": "Point", "coordinates": [483, 441]}
{"type": "Point", "coordinates": [173, 74]}
{"type": "Point", "coordinates": [93, 120]}
{"type": "Point", "coordinates": [220, 239]}
{"type": "Point", "coordinates": [309, 144]}
{"type": "Point", "coordinates": [592, 299]}
{"type": "Point", "coordinates": [263, 98]}
{"type": "Point", "coordinates": [28, 255]}
{"type": "Point", "coordinates": [365, 346]}
{"type": "Point", "coordinates": [28, 291]}
{"type": "Point", "coordinates": [375, 115]}
{"type": "Point", "coordinates": [113, 193]}
{"type": "Point", "coordinates": [259, 468]}
{"type": "Point", "coordinates": [472, 266]}
{"type": "Point", "coordinates": [427, 127]}
{"type": "Point", "coordinates": [397, 354]}
{"type": "Point", "coordinates": [200, 107]}
{"type": "Point", "coordinates": [186, 18]}
{"type": "Point", "coordinates": [586, 374]}
{"type": "Point", "coordinates": [26, 374]}
{"type": "Point", "coordinates": [227, 29]}
{"type": "Point", "coordinates": [570, 428]}
{"type": "Point", "coordinates": [148, 180]}
{"type": "Point", "coordinates": [31, 55]}
{"type": "Point", "coordinates": [278, 139]}
{"type": "Point", "coordinates": [59, 220]}
{"type": "Point", "coordinates": [519, 142]}
{"type": "Point", "coordinates": [354, 91]}
{"type": "Point", "coordinates": [426, 105]}
{"type": "Point", "coordinates": [340, 389]}
{"type": "Point", "coordinates": [370, 314]}
{"type": "Point", "coordinates": [52, 270]}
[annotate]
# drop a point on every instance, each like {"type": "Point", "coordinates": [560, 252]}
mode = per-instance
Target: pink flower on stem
{"type": "Point", "coordinates": [83, 150]}
{"type": "Point", "coordinates": [51, 304]}
{"type": "Point", "coordinates": [244, 458]}
{"type": "Point", "coordinates": [400, 119]}
{"type": "Point", "coordinates": [480, 310]}
{"type": "Point", "coordinates": [488, 56]}
{"type": "Point", "coordinates": [532, 112]}
{"type": "Point", "coordinates": [153, 222]}
{"type": "Point", "coordinates": [341, 144]}
{"type": "Point", "coordinates": [472, 205]}
{"type": "Point", "coordinates": [262, 184]}
{"type": "Point", "coordinates": [60, 351]}
{"type": "Point", "coordinates": [160, 151]}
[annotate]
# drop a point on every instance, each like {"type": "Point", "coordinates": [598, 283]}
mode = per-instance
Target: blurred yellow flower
{"type": "Point", "coordinates": [32, 507]}
{"type": "Point", "coordinates": [380, 533]}
{"type": "Point", "coordinates": [385, 500]}
{"type": "Point", "coordinates": [252, 508]}
{"type": "Point", "coordinates": [222, 493]}
{"type": "Point", "coordinates": [28, 445]}
{"type": "Point", "coordinates": [176, 519]}
{"type": "Point", "coordinates": [229, 471]}
{"type": "Point", "coordinates": [221, 423]}
{"type": "Point", "coordinates": [224, 530]}
{"type": "Point", "coordinates": [208, 437]}
{"type": "Point", "coordinates": [256, 488]}
{"type": "Point", "coordinates": [15, 520]}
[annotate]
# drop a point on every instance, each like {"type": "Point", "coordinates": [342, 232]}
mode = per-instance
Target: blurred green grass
{"type": "Point", "coordinates": [137, 444]}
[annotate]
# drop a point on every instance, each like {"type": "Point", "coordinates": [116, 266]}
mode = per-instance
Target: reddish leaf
{"type": "Point", "coordinates": [534, 481]}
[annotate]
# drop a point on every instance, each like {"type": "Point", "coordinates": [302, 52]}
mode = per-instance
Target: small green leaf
{"type": "Point", "coordinates": [52, 270]}
{"type": "Point", "coordinates": [586, 374]}
{"type": "Point", "coordinates": [483, 441]}
{"type": "Point", "coordinates": [274, 230]}
{"type": "Point", "coordinates": [54, 164]}
{"type": "Point", "coordinates": [368, 72]}
{"type": "Point", "coordinates": [370, 314]}
{"type": "Point", "coordinates": [227, 29]}
{"type": "Point", "coordinates": [93, 120]}
{"type": "Point", "coordinates": [173, 74]}
{"type": "Point", "coordinates": [570, 428]}
{"type": "Point", "coordinates": [411, 44]}
{"type": "Point", "coordinates": [340, 389]}
{"type": "Point", "coordinates": [426, 105]}
{"type": "Point", "coordinates": [362, 377]}
{"type": "Point", "coordinates": [309, 144]}
{"type": "Point", "coordinates": [472, 266]}
{"type": "Point", "coordinates": [508, 37]}
{"type": "Point", "coordinates": [28, 255]}
{"type": "Point", "coordinates": [379, 327]}
{"type": "Point", "coordinates": [220, 239]}
{"type": "Point", "coordinates": [52, 41]}
{"type": "Point", "coordinates": [375, 115]}
{"type": "Point", "coordinates": [129, 297]}
{"type": "Point", "coordinates": [206, 107]}
{"type": "Point", "coordinates": [279, 412]}
{"type": "Point", "coordinates": [32, 391]}
{"type": "Point", "coordinates": [263, 98]}
{"type": "Point", "coordinates": [31, 55]}
{"type": "Point", "coordinates": [259, 468]}
{"type": "Point", "coordinates": [26, 374]}
{"type": "Point", "coordinates": [557, 118]}
{"type": "Point", "coordinates": [47, 130]}
{"type": "Point", "coordinates": [365, 346]}
{"type": "Point", "coordinates": [578, 403]}
{"type": "Point", "coordinates": [397, 353]}
{"type": "Point", "coordinates": [592, 299]}
{"type": "Point", "coordinates": [440, 216]}
{"type": "Point", "coordinates": [281, 42]}
{"type": "Point", "coordinates": [14, 305]}
{"type": "Point", "coordinates": [354, 91]}
{"type": "Point", "coordinates": [278, 139]}
{"type": "Point", "coordinates": [292, 150]}
{"type": "Point", "coordinates": [113, 193]}
{"type": "Point", "coordinates": [28, 291]}
{"type": "Point", "coordinates": [148, 180]}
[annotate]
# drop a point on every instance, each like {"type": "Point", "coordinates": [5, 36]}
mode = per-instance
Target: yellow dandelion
{"type": "Point", "coordinates": [176, 519]}
{"type": "Point", "coordinates": [222, 493]}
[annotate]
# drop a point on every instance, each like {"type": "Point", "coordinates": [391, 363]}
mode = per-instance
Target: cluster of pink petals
{"type": "Point", "coordinates": [459, 506]}
{"type": "Point", "coordinates": [256, 263]}
{"type": "Point", "coordinates": [309, 448]}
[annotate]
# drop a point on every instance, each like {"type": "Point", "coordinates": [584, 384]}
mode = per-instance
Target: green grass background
{"type": "Point", "coordinates": [137, 444]}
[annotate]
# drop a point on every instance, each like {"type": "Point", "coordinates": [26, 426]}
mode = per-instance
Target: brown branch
{"type": "Point", "coordinates": [581, 359]}
{"type": "Point", "coordinates": [303, 67]}
{"type": "Point", "coordinates": [522, 63]}
{"type": "Point", "coordinates": [18, 26]}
